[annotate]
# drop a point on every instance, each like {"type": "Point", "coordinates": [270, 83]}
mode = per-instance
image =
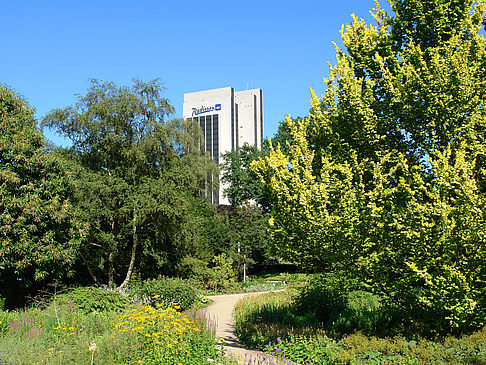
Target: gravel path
{"type": "Point", "coordinates": [221, 312]}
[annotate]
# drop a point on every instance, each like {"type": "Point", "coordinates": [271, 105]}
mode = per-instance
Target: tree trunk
{"type": "Point", "coordinates": [134, 250]}
{"type": "Point", "coordinates": [110, 255]}
{"type": "Point", "coordinates": [110, 267]}
{"type": "Point", "coordinates": [85, 262]}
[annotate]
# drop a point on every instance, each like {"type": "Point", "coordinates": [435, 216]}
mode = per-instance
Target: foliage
{"type": "Point", "coordinates": [161, 335]}
{"type": "Point", "coordinates": [224, 274]}
{"type": "Point", "coordinates": [243, 186]}
{"type": "Point", "coordinates": [195, 270]}
{"type": "Point", "coordinates": [89, 300]}
{"type": "Point", "coordinates": [247, 230]}
{"type": "Point", "coordinates": [359, 349]}
{"type": "Point", "coordinates": [40, 234]}
{"type": "Point", "coordinates": [266, 317]}
{"type": "Point", "coordinates": [169, 290]}
{"type": "Point", "coordinates": [168, 336]}
{"type": "Point", "coordinates": [271, 323]}
{"type": "Point", "coordinates": [384, 179]}
{"type": "Point", "coordinates": [282, 138]}
{"type": "Point", "coordinates": [324, 296]}
{"type": "Point", "coordinates": [213, 236]}
{"type": "Point", "coordinates": [137, 178]}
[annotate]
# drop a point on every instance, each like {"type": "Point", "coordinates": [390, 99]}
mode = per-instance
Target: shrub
{"type": "Point", "coordinates": [88, 300]}
{"type": "Point", "coordinates": [365, 312]}
{"type": "Point", "coordinates": [196, 270]}
{"type": "Point", "coordinates": [224, 275]}
{"type": "Point", "coordinates": [358, 348]}
{"type": "Point", "coordinates": [170, 290]}
{"type": "Point", "coordinates": [323, 296]}
{"type": "Point", "coordinates": [168, 336]}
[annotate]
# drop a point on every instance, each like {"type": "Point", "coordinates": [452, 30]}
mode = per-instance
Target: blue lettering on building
{"type": "Point", "coordinates": [205, 109]}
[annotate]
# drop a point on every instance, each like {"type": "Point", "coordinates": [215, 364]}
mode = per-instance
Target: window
{"type": "Point", "coordinates": [215, 139]}
{"type": "Point", "coordinates": [209, 142]}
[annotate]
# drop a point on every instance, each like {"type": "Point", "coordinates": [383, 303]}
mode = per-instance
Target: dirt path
{"type": "Point", "coordinates": [221, 311]}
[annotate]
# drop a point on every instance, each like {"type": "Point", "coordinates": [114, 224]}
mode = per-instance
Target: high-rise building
{"type": "Point", "coordinates": [228, 119]}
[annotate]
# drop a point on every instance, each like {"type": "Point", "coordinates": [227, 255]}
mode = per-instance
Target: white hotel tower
{"type": "Point", "coordinates": [228, 119]}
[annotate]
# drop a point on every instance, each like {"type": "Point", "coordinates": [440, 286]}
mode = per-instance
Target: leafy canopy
{"type": "Point", "coordinates": [137, 177]}
{"type": "Point", "coordinates": [39, 235]}
{"type": "Point", "coordinates": [385, 178]}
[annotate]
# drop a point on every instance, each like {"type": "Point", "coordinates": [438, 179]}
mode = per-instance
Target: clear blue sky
{"type": "Point", "coordinates": [50, 49]}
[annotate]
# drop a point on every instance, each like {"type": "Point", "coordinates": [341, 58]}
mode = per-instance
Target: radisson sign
{"type": "Point", "coordinates": [205, 109]}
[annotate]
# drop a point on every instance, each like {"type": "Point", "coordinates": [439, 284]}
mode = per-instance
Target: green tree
{"type": "Point", "coordinates": [247, 229]}
{"type": "Point", "coordinates": [385, 178]}
{"type": "Point", "coordinates": [39, 235]}
{"type": "Point", "coordinates": [243, 185]}
{"type": "Point", "coordinates": [137, 177]}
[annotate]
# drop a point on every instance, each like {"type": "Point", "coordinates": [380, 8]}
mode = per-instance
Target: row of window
{"type": "Point", "coordinates": [210, 127]}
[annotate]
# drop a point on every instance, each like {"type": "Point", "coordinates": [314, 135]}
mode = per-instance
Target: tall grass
{"type": "Point", "coordinates": [264, 318]}
{"type": "Point", "coordinates": [62, 333]}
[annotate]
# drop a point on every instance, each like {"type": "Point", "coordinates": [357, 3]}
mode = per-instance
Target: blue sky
{"type": "Point", "coordinates": [50, 49]}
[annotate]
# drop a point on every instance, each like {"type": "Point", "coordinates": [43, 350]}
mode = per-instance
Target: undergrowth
{"type": "Point", "coordinates": [97, 326]}
{"type": "Point", "coordinates": [328, 322]}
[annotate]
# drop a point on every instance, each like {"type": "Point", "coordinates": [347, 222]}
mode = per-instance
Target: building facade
{"type": "Point", "coordinates": [228, 119]}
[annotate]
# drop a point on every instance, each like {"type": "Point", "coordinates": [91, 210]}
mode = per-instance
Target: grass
{"type": "Point", "coordinates": [265, 318]}
{"type": "Point", "coordinates": [250, 286]}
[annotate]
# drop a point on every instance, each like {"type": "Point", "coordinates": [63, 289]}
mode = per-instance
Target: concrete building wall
{"type": "Point", "coordinates": [250, 116]}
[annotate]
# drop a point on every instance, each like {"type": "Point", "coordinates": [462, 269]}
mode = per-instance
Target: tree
{"type": "Point", "coordinates": [385, 178]}
{"type": "Point", "coordinates": [39, 234]}
{"type": "Point", "coordinates": [137, 176]}
{"type": "Point", "coordinates": [243, 185]}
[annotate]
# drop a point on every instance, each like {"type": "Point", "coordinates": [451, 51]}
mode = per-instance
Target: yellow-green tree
{"type": "Point", "coordinates": [388, 184]}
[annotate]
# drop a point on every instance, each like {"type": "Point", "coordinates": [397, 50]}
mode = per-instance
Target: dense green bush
{"type": "Point", "coordinates": [169, 290]}
{"type": "Point", "coordinates": [196, 270]}
{"type": "Point", "coordinates": [364, 312]}
{"type": "Point", "coordinates": [324, 296]}
{"type": "Point", "coordinates": [272, 323]}
{"type": "Point", "coordinates": [344, 310]}
{"type": "Point", "coordinates": [359, 349]}
{"type": "Point", "coordinates": [88, 300]}
{"type": "Point", "coordinates": [224, 274]}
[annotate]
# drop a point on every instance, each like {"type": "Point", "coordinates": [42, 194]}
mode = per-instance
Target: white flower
{"type": "Point", "coordinates": [92, 346]}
